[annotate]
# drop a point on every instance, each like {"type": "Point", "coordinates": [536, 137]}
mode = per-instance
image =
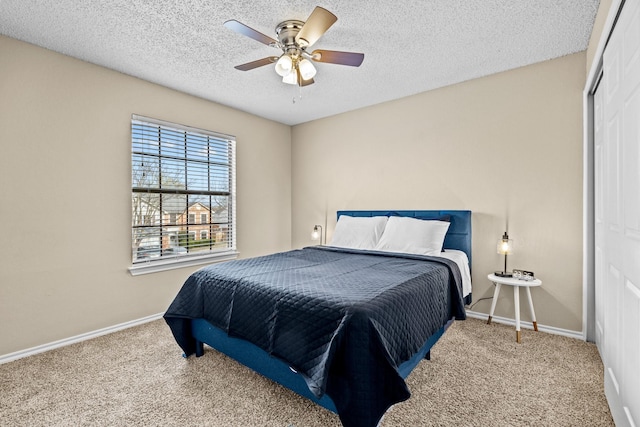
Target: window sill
{"type": "Point", "coordinates": [180, 262]}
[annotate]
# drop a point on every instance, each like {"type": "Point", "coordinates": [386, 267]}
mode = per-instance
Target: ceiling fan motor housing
{"type": "Point", "coordinates": [287, 32]}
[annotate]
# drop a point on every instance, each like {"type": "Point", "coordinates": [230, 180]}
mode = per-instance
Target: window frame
{"type": "Point", "coordinates": [163, 263]}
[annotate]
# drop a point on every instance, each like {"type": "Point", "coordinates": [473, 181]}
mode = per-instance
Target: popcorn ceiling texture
{"type": "Point", "coordinates": [410, 46]}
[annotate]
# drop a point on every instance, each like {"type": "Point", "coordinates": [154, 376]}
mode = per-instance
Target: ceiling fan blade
{"type": "Point", "coordinates": [336, 57]}
{"type": "Point", "coordinates": [240, 28]}
{"type": "Point", "coordinates": [317, 24]}
{"type": "Point", "coordinates": [255, 64]}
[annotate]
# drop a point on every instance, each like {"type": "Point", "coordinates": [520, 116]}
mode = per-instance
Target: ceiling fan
{"type": "Point", "coordinates": [294, 38]}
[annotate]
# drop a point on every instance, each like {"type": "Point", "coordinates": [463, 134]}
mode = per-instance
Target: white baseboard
{"type": "Point", "coordinates": [78, 338]}
{"type": "Point", "coordinates": [511, 322]}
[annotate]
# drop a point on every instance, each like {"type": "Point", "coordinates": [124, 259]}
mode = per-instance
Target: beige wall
{"type": "Point", "coordinates": [65, 195]}
{"type": "Point", "coordinates": [507, 146]}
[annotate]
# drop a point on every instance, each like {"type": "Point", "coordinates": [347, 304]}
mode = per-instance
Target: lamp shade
{"type": "Point", "coordinates": [284, 65]}
{"type": "Point", "coordinates": [505, 245]}
{"type": "Point", "coordinates": [291, 78]}
{"type": "Point", "coordinates": [307, 70]}
{"type": "Point", "coordinates": [316, 234]}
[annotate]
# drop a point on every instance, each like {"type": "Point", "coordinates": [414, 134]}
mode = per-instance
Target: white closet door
{"type": "Point", "coordinates": [617, 217]}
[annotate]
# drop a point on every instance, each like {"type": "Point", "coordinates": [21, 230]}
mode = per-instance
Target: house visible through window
{"type": "Point", "coordinates": [180, 174]}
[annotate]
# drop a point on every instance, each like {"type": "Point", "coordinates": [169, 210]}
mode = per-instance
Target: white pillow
{"type": "Point", "coordinates": [358, 232]}
{"type": "Point", "coordinates": [413, 236]}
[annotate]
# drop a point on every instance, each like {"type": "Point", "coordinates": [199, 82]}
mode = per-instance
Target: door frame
{"type": "Point", "coordinates": [588, 187]}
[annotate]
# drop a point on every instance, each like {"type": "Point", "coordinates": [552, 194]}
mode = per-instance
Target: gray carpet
{"type": "Point", "coordinates": [478, 376]}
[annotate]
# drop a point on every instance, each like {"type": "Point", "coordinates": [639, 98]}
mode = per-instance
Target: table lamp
{"type": "Point", "coordinates": [505, 247]}
{"type": "Point", "coordinates": [316, 234]}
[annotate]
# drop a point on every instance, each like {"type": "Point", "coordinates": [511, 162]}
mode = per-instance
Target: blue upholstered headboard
{"type": "Point", "coordinates": [459, 233]}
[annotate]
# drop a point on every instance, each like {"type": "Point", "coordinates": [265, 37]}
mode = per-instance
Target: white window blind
{"type": "Point", "coordinates": [180, 175]}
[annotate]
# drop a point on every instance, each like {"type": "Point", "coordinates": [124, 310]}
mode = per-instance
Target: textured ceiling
{"type": "Point", "coordinates": [409, 46]}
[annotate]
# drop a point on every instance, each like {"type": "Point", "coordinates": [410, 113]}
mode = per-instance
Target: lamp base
{"type": "Point", "coordinates": [503, 274]}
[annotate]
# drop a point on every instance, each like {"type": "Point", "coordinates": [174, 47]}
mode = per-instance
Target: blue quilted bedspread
{"type": "Point", "coordinates": [344, 319]}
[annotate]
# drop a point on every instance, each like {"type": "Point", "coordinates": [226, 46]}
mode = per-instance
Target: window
{"type": "Point", "coordinates": [180, 172]}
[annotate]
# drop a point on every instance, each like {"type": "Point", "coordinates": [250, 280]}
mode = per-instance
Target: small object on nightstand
{"type": "Point", "coordinates": [523, 274]}
{"type": "Point", "coordinates": [517, 284]}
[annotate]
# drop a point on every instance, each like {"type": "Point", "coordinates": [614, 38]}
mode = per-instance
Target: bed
{"type": "Point", "coordinates": [341, 325]}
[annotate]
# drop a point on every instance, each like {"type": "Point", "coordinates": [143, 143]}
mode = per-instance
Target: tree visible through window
{"type": "Point", "coordinates": [180, 174]}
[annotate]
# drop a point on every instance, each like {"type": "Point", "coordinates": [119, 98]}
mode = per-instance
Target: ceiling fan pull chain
{"type": "Point", "coordinates": [299, 96]}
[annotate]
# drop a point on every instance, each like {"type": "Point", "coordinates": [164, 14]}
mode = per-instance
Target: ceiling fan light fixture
{"type": "Point", "coordinates": [307, 70]}
{"type": "Point", "coordinates": [284, 65]}
{"type": "Point", "coordinates": [291, 78]}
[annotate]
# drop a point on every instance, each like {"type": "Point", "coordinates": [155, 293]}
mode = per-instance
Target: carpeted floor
{"type": "Point", "coordinates": [478, 376]}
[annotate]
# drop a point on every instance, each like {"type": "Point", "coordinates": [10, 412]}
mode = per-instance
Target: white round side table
{"type": "Point", "coordinates": [517, 284]}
